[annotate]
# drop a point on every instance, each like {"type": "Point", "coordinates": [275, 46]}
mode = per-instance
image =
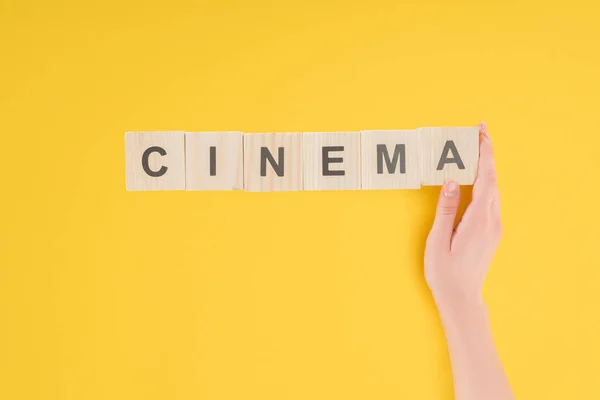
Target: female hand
{"type": "Point", "coordinates": [456, 263]}
{"type": "Point", "coordinates": [457, 260]}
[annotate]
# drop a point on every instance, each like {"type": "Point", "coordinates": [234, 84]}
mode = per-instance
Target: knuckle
{"type": "Point", "coordinates": [496, 197]}
{"type": "Point", "coordinates": [496, 229]}
{"type": "Point", "coordinates": [491, 175]}
{"type": "Point", "coordinates": [498, 232]}
{"type": "Point", "coordinates": [447, 209]}
{"type": "Point", "coordinates": [431, 239]}
{"type": "Point", "coordinates": [499, 228]}
{"type": "Point", "coordinates": [486, 148]}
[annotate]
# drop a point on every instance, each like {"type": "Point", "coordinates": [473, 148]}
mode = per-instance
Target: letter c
{"type": "Point", "coordinates": [146, 156]}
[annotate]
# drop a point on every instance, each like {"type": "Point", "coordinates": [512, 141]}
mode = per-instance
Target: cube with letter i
{"type": "Point", "coordinates": [214, 161]}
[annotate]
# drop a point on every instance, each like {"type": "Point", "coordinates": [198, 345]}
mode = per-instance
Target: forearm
{"type": "Point", "coordinates": [476, 367]}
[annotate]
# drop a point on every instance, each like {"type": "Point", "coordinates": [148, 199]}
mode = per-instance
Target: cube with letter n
{"type": "Point", "coordinates": [273, 162]}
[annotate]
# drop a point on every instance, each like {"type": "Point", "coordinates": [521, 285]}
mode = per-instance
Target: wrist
{"type": "Point", "coordinates": [460, 306]}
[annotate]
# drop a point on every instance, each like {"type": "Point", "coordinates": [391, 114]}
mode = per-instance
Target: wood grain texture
{"type": "Point", "coordinates": [439, 143]}
{"type": "Point", "coordinates": [346, 161]}
{"type": "Point", "coordinates": [227, 172]}
{"type": "Point", "coordinates": [173, 160]}
{"type": "Point", "coordinates": [291, 165]}
{"type": "Point", "coordinates": [406, 172]}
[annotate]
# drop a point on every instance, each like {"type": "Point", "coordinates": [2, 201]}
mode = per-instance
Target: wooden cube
{"type": "Point", "coordinates": [331, 161]}
{"type": "Point", "coordinates": [449, 153]}
{"type": "Point", "coordinates": [214, 161]}
{"type": "Point", "coordinates": [155, 160]}
{"type": "Point", "coordinates": [272, 162]}
{"type": "Point", "coordinates": [390, 159]}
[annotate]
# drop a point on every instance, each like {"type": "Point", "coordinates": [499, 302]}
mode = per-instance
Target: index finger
{"type": "Point", "coordinates": [485, 188]}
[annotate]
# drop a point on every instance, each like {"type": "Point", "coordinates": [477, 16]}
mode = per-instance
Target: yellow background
{"type": "Point", "coordinates": [106, 294]}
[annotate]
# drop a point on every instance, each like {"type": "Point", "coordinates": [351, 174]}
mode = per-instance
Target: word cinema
{"type": "Point", "coordinates": [265, 162]}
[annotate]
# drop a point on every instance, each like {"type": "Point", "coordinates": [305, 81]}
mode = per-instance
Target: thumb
{"type": "Point", "coordinates": [445, 215]}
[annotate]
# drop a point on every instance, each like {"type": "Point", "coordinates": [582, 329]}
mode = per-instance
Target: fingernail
{"type": "Point", "coordinates": [484, 129]}
{"type": "Point", "coordinates": [450, 189]}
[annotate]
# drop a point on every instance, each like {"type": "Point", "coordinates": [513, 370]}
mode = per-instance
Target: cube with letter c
{"type": "Point", "coordinates": [155, 160]}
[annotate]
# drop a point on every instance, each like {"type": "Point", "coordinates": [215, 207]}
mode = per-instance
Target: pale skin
{"type": "Point", "coordinates": [456, 263]}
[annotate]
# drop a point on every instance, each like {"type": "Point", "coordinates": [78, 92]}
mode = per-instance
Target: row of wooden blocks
{"type": "Point", "coordinates": [263, 162]}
